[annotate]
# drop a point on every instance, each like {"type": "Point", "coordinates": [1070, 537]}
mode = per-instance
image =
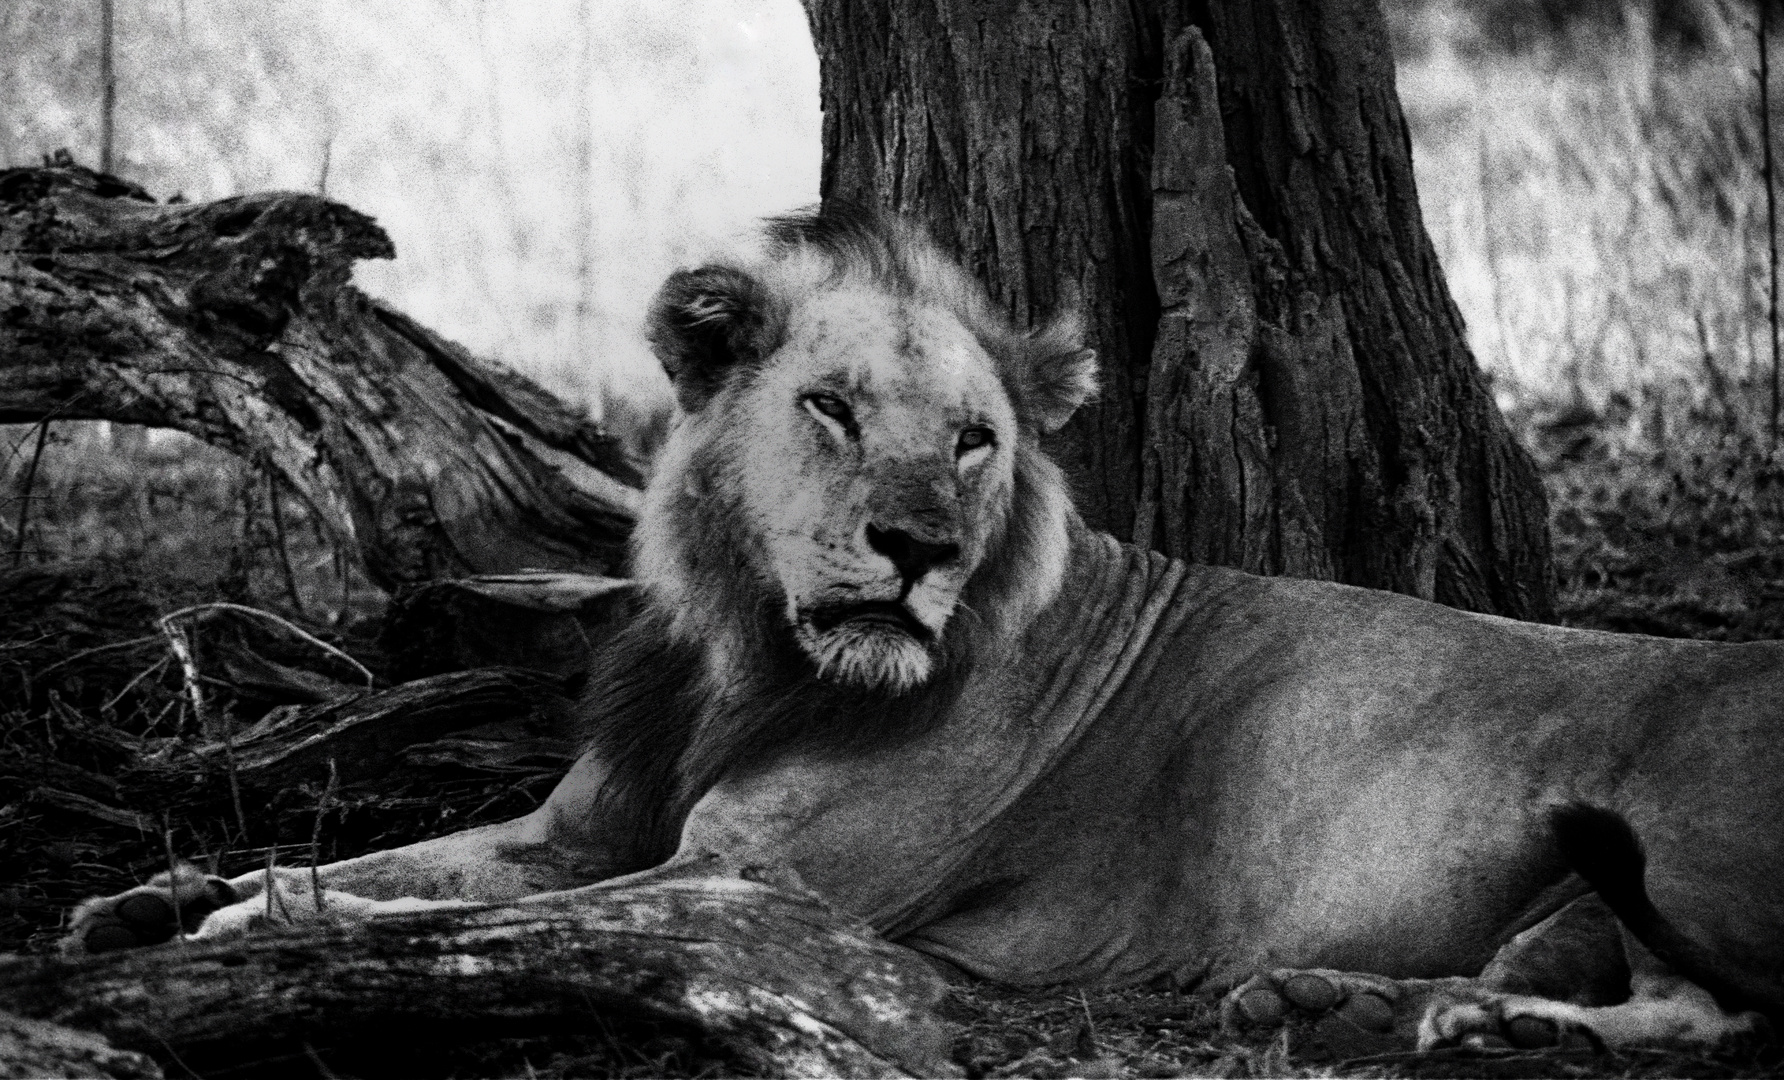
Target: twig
{"type": "Point", "coordinates": [182, 651]}
{"type": "Point", "coordinates": [18, 543]}
{"type": "Point", "coordinates": [327, 158]}
{"type": "Point", "coordinates": [131, 685]}
{"type": "Point", "coordinates": [1086, 1039]}
{"type": "Point", "coordinates": [84, 653]}
{"type": "Point", "coordinates": [240, 575]}
{"type": "Point", "coordinates": [267, 882]}
{"type": "Point", "coordinates": [316, 836]}
{"type": "Point", "coordinates": [345, 573]}
{"type": "Point", "coordinates": [1718, 385]}
{"type": "Point", "coordinates": [235, 786]}
{"type": "Point", "coordinates": [173, 1056]}
{"type": "Point", "coordinates": [278, 516]}
{"type": "Point", "coordinates": [318, 1064]}
{"type": "Point", "coordinates": [173, 874]}
{"type": "Point", "coordinates": [244, 609]}
{"type": "Point", "coordinates": [108, 86]}
{"type": "Point", "coordinates": [155, 724]}
{"type": "Point", "coordinates": [1771, 202]}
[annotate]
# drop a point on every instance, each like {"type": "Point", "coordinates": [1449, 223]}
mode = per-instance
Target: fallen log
{"type": "Point", "coordinates": [235, 321]}
{"type": "Point", "coordinates": [775, 977]}
{"type": "Point", "coordinates": [549, 622]}
{"type": "Point", "coordinates": [33, 1048]}
{"type": "Point", "coordinates": [517, 712]}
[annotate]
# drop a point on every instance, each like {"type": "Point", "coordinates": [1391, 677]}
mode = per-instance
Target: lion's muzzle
{"type": "Point", "coordinates": [912, 556]}
{"type": "Point", "coordinates": [868, 615]}
{"type": "Point", "coordinates": [871, 645]}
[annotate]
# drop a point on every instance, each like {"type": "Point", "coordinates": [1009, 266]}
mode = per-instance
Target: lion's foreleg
{"type": "Point", "coordinates": [567, 842]}
{"type": "Point", "coordinates": [487, 863]}
{"type": "Point", "coordinates": [490, 863]}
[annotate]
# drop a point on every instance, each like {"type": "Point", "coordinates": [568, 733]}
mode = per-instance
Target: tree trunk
{"type": "Point", "coordinates": [235, 322]}
{"type": "Point", "coordinates": [785, 985]}
{"type": "Point", "coordinates": [1226, 189]}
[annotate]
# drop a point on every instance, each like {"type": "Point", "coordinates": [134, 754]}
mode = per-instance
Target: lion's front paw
{"type": "Point", "coordinates": [148, 914]}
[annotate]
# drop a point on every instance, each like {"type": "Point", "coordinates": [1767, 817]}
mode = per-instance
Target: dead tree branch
{"type": "Point", "coordinates": [235, 321]}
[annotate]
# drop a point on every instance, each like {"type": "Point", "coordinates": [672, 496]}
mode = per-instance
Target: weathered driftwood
{"type": "Point", "coordinates": [549, 622]}
{"type": "Point", "coordinates": [30, 1049]}
{"type": "Point", "coordinates": [514, 712]}
{"type": "Point", "coordinates": [235, 321]}
{"type": "Point", "coordinates": [785, 984]}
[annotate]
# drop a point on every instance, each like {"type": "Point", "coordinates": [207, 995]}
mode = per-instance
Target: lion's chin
{"type": "Point", "coordinates": [869, 655]}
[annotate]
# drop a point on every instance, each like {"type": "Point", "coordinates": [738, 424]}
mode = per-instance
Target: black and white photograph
{"type": "Point", "coordinates": [545, 539]}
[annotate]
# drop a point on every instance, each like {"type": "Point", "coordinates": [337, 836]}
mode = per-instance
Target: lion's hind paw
{"type": "Point", "coordinates": [1677, 1014]}
{"type": "Point", "coordinates": [150, 914]}
{"type": "Point", "coordinates": [1494, 1021]}
{"type": "Point", "coordinates": [1335, 1013]}
{"type": "Point", "coordinates": [1351, 1014]}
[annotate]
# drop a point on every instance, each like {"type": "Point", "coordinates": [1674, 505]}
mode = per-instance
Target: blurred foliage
{"type": "Point", "coordinates": [542, 167]}
{"type": "Point", "coordinates": [1680, 535]}
{"type": "Point", "coordinates": [196, 520]}
{"type": "Point", "coordinates": [1568, 26]}
{"type": "Point", "coordinates": [1601, 220]}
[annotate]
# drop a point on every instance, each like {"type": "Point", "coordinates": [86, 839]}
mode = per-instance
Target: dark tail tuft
{"type": "Point", "coordinates": [1601, 847]}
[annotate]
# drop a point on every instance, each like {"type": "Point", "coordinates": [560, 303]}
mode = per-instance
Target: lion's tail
{"type": "Point", "coordinates": [1601, 847]}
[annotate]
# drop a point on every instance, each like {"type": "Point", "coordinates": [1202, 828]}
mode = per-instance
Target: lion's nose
{"type": "Point", "coordinates": [912, 557]}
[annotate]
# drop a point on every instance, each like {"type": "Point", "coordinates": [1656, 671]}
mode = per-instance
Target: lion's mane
{"type": "Point", "coordinates": [708, 677]}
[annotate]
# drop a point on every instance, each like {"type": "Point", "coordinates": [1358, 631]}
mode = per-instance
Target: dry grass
{"type": "Point", "coordinates": [96, 728]}
{"type": "Point", "coordinates": [1602, 222]}
{"type": "Point", "coordinates": [1159, 1032]}
{"type": "Point", "coordinates": [177, 511]}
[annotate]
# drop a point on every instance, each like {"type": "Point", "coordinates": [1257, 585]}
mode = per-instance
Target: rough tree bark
{"type": "Point", "coordinates": [234, 321]}
{"type": "Point", "coordinates": [1225, 188]}
{"type": "Point", "coordinates": [787, 986]}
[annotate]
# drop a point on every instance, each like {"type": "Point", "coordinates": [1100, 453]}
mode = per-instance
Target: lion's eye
{"type": "Point", "coordinates": [973, 438]}
{"type": "Point", "coordinates": [834, 408]}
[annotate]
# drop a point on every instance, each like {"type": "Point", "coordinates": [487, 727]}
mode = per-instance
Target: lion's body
{"type": "Point", "coordinates": [1192, 770]}
{"type": "Point", "coordinates": [881, 651]}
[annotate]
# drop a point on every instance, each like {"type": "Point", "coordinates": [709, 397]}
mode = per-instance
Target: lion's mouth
{"type": "Point", "coordinates": [869, 613]}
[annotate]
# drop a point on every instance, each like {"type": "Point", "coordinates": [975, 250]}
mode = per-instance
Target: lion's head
{"type": "Point", "coordinates": [854, 465]}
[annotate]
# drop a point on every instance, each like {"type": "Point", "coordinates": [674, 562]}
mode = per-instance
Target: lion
{"type": "Point", "coordinates": [879, 649]}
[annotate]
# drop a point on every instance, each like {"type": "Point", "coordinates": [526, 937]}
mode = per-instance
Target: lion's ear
{"type": "Point", "coordinates": [1062, 374]}
{"type": "Point", "coordinates": [703, 325]}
